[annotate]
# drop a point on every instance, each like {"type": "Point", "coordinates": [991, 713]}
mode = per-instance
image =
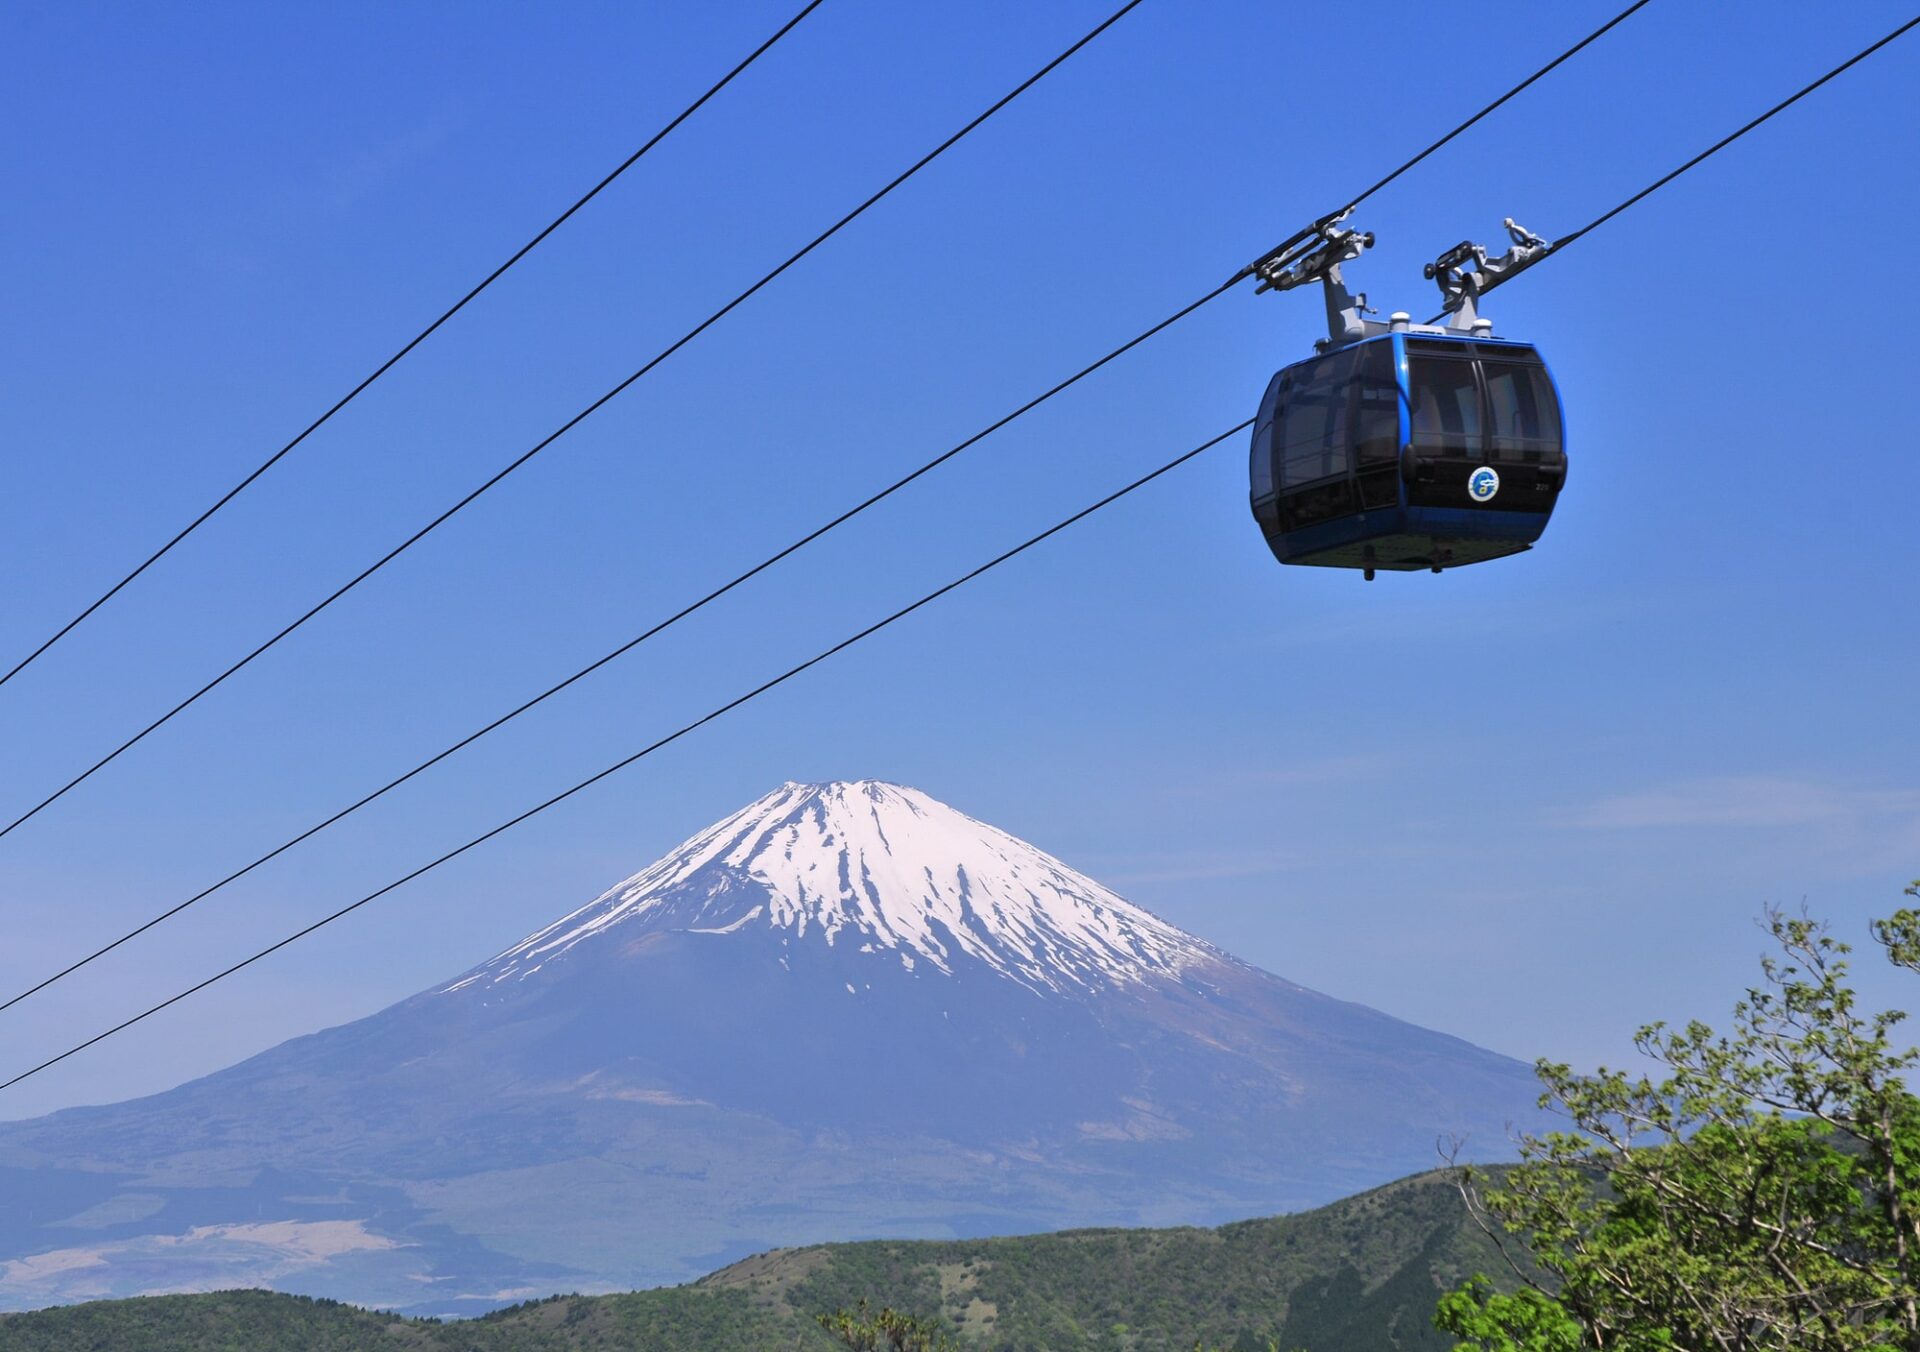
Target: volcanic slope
{"type": "Point", "coordinates": [846, 1010]}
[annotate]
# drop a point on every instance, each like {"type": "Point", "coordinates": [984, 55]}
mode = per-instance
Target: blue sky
{"type": "Point", "coordinates": [1532, 803]}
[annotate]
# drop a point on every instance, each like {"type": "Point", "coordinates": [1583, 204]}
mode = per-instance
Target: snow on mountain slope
{"type": "Point", "coordinates": [846, 1010]}
{"type": "Point", "coordinates": [882, 868]}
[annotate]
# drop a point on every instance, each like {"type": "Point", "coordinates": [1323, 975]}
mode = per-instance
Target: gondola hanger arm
{"type": "Point", "coordinates": [1461, 287]}
{"type": "Point", "coordinates": [1284, 269]}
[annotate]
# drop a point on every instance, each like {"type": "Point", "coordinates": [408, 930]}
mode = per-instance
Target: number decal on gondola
{"type": "Point", "coordinates": [1483, 483]}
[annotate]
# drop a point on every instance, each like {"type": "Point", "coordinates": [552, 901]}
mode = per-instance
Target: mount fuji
{"type": "Point", "coordinates": [846, 1010]}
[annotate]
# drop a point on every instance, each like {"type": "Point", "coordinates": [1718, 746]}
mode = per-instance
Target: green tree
{"type": "Point", "coordinates": [886, 1330]}
{"type": "Point", "coordinates": [1761, 1191]}
{"type": "Point", "coordinates": [1523, 1321]}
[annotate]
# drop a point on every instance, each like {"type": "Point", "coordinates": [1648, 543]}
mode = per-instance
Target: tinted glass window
{"type": "Point", "coordinates": [1260, 464]}
{"type": "Point", "coordinates": [1271, 398]}
{"type": "Point", "coordinates": [1380, 486]}
{"type": "Point", "coordinates": [1446, 404]}
{"type": "Point", "coordinates": [1311, 430]}
{"type": "Point", "coordinates": [1376, 415]}
{"type": "Point", "coordinates": [1320, 502]}
{"type": "Point", "coordinates": [1521, 410]}
{"type": "Point", "coordinates": [1261, 461]}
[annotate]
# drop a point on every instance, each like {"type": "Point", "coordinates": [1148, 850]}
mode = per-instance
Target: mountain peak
{"type": "Point", "coordinates": [884, 871]}
{"type": "Point", "coordinates": [845, 1009]}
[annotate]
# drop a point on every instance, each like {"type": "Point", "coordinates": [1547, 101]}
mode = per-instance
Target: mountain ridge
{"type": "Point", "coordinates": [845, 1011]}
{"type": "Point", "coordinates": [1360, 1274]}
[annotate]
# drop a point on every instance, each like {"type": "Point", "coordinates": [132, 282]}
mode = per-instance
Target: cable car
{"type": "Point", "coordinates": [1408, 451]}
{"type": "Point", "coordinates": [1401, 446]}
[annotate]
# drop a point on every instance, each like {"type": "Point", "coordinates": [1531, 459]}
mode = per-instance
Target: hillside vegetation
{"type": "Point", "coordinates": [1353, 1277]}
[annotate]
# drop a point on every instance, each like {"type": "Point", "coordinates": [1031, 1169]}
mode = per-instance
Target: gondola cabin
{"type": "Point", "coordinates": [1411, 449]}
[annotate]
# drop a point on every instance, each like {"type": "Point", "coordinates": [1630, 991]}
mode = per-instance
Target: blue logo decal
{"type": "Point", "coordinates": [1483, 483]}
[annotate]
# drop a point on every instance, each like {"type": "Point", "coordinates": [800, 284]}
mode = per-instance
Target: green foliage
{"type": "Point", "coordinates": [1357, 1276]}
{"type": "Point", "coordinates": [886, 1330]}
{"type": "Point", "coordinates": [1354, 1277]}
{"type": "Point", "coordinates": [1762, 1193]}
{"type": "Point", "coordinates": [258, 1321]}
{"type": "Point", "coordinates": [265, 1321]}
{"type": "Point", "coordinates": [1520, 1321]}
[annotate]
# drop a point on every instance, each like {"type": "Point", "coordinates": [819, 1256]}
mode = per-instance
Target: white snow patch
{"type": "Point", "coordinates": [729, 929]}
{"type": "Point", "coordinates": [902, 872]}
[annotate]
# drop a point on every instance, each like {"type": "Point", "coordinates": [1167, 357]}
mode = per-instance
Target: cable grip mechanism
{"type": "Point", "coordinates": [1317, 256]}
{"type": "Point", "coordinates": [1461, 288]}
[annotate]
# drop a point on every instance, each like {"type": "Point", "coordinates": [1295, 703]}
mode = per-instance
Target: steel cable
{"type": "Point", "coordinates": [780, 555]}
{"type": "Point", "coordinates": [644, 752]}
{"type": "Point", "coordinates": [873, 628]}
{"type": "Point", "coordinates": [1709, 152]}
{"type": "Point", "coordinates": [562, 430]}
{"type": "Point", "coordinates": [411, 344]}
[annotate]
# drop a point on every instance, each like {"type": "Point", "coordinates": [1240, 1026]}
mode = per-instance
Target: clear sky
{"type": "Point", "coordinates": [1531, 803]}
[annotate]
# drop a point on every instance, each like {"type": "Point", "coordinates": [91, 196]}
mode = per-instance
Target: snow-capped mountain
{"type": "Point", "coordinates": [884, 870]}
{"type": "Point", "coordinates": [845, 1010]}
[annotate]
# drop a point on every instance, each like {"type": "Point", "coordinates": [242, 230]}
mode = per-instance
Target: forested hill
{"type": "Point", "coordinates": [1352, 1277]}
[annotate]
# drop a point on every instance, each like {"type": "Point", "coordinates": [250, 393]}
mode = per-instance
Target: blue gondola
{"type": "Point", "coordinates": [1401, 446]}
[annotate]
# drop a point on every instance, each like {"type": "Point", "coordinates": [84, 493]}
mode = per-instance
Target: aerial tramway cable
{"type": "Point", "coordinates": [570, 423]}
{"type": "Point", "coordinates": [841, 646]}
{"type": "Point", "coordinates": [649, 749]}
{"type": "Point", "coordinates": [1563, 241]}
{"type": "Point", "coordinates": [799, 544]}
{"type": "Point", "coordinates": [411, 343]}
{"type": "Point", "coordinates": [1397, 447]}
{"type": "Point", "coordinates": [1307, 233]}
